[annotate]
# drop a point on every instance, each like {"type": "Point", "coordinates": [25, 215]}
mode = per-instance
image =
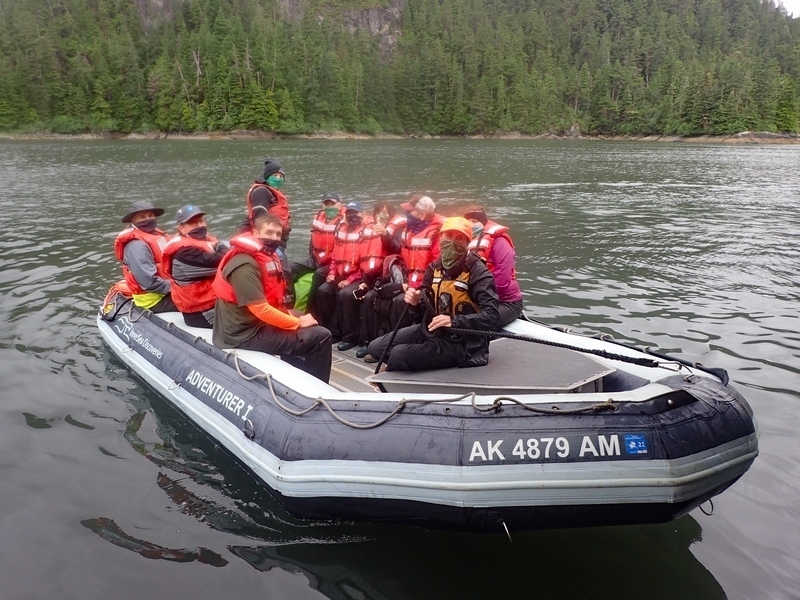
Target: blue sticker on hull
{"type": "Point", "coordinates": [635, 444]}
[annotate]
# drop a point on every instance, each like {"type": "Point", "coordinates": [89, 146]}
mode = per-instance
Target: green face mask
{"type": "Point", "coordinates": [330, 212]}
{"type": "Point", "coordinates": [452, 251]}
{"type": "Point", "coordinates": [275, 181]}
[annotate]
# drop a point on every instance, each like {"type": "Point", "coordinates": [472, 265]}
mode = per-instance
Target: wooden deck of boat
{"type": "Point", "coordinates": [348, 372]}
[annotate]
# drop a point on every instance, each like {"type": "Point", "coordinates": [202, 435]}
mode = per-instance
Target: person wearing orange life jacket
{"type": "Point", "coordinates": [377, 242]}
{"type": "Point", "coordinates": [139, 247]}
{"type": "Point", "coordinates": [320, 246]}
{"type": "Point", "coordinates": [420, 245]}
{"type": "Point", "coordinates": [344, 276]}
{"type": "Point", "coordinates": [265, 193]}
{"type": "Point", "coordinates": [250, 311]}
{"type": "Point", "coordinates": [323, 230]}
{"type": "Point", "coordinates": [191, 259]}
{"type": "Point", "coordinates": [493, 244]}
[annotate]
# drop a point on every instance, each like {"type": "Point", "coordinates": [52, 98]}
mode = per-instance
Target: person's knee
{"type": "Point", "coordinates": [400, 357]}
{"type": "Point", "coordinates": [320, 336]}
{"type": "Point", "coordinates": [376, 346]}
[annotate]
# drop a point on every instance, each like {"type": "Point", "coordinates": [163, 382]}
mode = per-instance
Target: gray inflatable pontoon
{"type": "Point", "coordinates": [544, 436]}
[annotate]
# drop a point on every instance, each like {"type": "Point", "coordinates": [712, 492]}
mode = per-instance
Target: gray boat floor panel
{"type": "Point", "coordinates": [349, 373]}
{"type": "Point", "coordinates": [514, 366]}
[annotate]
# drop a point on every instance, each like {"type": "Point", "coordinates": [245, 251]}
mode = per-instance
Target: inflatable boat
{"type": "Point", "coordinates": [558, 430]}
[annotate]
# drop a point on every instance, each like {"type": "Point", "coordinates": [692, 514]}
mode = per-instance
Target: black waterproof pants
{"type": "Point", "coordinates": [415, 349]}
{"type": "Point", "coordinates": [348, 313]}
{"type": "Point", "coordinates": [203, 318]}
{"type": "Point", "coordinates": [164, 305]}
{"type": "Point", "coordinates": [509, 312]}
{"type": "Point", "coordinates": [308, 348]}
{"type": "Point", "coordinates": [373, 323]}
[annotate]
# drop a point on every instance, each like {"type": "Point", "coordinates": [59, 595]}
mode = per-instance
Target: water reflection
{"type": "Point", "coordinates": [585, 563]}
{"type": "Point", "coordinates": [111, 532]}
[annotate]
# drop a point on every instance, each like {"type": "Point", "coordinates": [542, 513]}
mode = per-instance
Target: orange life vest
{"type": "Point", "coordinates": [269, 265]}
{"type": "Point", "coordinates": [323, 236]}
{"type": "Point", "coordinates": [155, 241]}
{"type": "Point", "coordinates": [372, 251]}
{"type": "Point", "coordinates": [417, 250]}
{"type": "Point", "coordinates": [280, 209]}
{"type": "Point", "coordinates": [194, 296]}
{"type": "Point", "coordinates": [396, 223]}
{"type": "Point", "coordinates": [482, 245]}
{"type": "Point", "coordinates": [347, 250]}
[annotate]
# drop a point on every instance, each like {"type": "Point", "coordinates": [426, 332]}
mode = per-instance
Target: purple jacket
{"type": "Point", "coordinates": [503, 256]}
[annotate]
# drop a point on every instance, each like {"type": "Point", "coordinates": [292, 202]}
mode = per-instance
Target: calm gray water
{"type": "Point", "coordinates": [107, 492]}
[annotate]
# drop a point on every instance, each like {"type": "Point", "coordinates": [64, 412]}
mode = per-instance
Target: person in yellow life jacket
{"type": "Point", "coordinates": [139, 247]}
{"type": "Point", "coordinates": [250, 311]}
{"type": "Point", "coordinates": [191, 259]}
{"type": "Point", "coordinates": [344, 277]}
{"type": "Point", "coordinates": [461, 294]}
{"type": "Point", "coordinates": [265, 193]}
{"type": "Point", "coordinates": [493, 244]}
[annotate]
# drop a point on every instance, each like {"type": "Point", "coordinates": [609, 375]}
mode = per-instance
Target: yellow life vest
{"type": "Point", "coordinates": [451, 296]}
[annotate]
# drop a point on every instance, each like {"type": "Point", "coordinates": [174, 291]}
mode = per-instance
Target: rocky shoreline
{"type": "Point", "coordinates": [745, 137]}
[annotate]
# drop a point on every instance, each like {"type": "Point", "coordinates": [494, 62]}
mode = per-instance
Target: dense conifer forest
{"type": "Point", "coordinates": [685, 67]}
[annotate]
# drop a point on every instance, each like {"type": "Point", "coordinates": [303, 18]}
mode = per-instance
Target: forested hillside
{"type": "Point", "coordinates": [439, 66]}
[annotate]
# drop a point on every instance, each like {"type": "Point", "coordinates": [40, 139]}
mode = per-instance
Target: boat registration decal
{"type": "Point", "coordinates": [555, 448]}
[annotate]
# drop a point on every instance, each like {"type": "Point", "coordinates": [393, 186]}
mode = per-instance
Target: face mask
{"type": "Point", "coordinates": [331, 212]}
{"type": "Point", "coordinates": [270, 245]}
{"type": "Point", "coordinates": [198, 233]}
{"type": "Point", "coordinates": [354, 220]}
{"type": "Point", "coordinates": [451, 251]}
{"type": "Point", "coordinates": [148, 225]}
{"type": "Point", "coordinates": [275, 181]}
{"type": "Point", "coordinates": [415, 225]}
{"type": "Point", "coordinates": [477, 230]}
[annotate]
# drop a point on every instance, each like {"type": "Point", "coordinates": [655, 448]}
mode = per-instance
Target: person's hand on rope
{"type": "Point", "coordinates": [440, 321]}
{"type": "Point", "coordinates": [412, 296]}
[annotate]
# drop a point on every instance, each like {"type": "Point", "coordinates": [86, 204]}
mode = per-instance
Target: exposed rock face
{"type": "Point", "coordinates": [383, 21]}
{"type": "Point", "coordinates": [151, 11]}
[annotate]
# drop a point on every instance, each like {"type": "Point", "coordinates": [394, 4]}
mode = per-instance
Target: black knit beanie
{"type": "Point", "coordinates": [271, 166]}
{"type": "Point", "coordinates": [476, 213]}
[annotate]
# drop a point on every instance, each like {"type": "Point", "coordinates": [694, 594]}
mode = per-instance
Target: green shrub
{"type": "Point", "coordinates": [64, 124]}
